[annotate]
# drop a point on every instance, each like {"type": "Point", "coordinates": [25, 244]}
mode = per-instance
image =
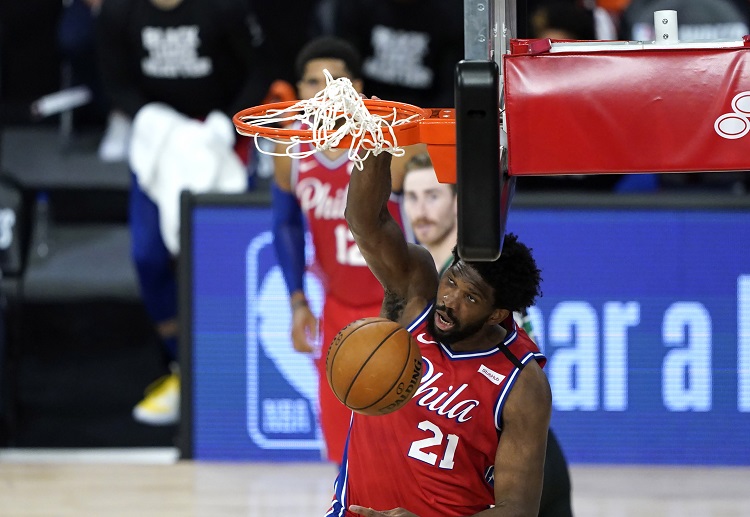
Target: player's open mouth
{"type": "Point", "coordinates": [442, 322]}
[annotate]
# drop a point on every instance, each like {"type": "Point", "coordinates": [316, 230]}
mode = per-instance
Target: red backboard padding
{"type": "Point", "coordinates": [627, 111]}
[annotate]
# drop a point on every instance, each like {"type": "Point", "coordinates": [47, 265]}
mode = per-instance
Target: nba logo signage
{"type": "Point", "coordinates": [250, 395]}
{"type": "Point", "coordinates": [282, 384]}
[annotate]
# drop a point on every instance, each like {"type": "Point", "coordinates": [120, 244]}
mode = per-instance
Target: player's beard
{"type": "Point", "coordinates": [458, 332]}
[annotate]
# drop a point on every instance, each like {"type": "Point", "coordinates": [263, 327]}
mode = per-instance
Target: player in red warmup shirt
{"type": "Point", "coordinates": [472, 440]}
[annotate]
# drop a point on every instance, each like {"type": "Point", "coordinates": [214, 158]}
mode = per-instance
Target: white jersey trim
{"type": "Point", "coordinates": [419, 319]}
{"type": "Point", "coordinates": [511, 380]}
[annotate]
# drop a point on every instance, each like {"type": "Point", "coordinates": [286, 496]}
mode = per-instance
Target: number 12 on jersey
{"type": "Point", "coordinates": [347, 251]}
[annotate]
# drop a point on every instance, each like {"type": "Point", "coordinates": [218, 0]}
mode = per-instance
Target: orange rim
{"type": "Point", "coordinates": [406, 133]}
{"type": "Point", "coordinates": [435, 127]}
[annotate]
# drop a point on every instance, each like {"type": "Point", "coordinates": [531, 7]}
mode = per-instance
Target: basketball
{"type": "Point", "coordinates": [374, 366]}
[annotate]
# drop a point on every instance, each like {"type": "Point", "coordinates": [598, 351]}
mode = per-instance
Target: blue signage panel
{"type": "Point", "coordinates": [645, 319]}
{"type": "Point", "coordinates": [253, 396]}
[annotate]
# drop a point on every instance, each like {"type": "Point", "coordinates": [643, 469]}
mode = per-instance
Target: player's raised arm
{"type": "Point", "coordinates": [406, 270]}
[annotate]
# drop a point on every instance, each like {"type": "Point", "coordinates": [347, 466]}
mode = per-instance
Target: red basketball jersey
{"type": "Point", "coordinates": [436, 455]}
{"type": "Point", "coordinates": [320, 184]}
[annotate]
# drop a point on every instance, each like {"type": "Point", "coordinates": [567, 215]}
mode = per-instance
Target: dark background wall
{"type": "Point", "coordinates": [29, 57]}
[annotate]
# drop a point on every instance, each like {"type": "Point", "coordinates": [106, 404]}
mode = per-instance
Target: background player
{"type": "Point", "coordinates": [195, 57]}
{"type": "Point", "coordinates": [431, 209]}
{"type": "Point", "coordinates": [311, 193]}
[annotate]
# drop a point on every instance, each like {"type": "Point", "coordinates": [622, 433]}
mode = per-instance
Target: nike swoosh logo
{"type": "Point", "coordinates": [422, 339]}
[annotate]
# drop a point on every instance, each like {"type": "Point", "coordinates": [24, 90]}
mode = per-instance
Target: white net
{"type": "Point", "coordinates": [333, 113]}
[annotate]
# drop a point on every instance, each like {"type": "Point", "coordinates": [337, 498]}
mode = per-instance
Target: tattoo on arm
{"type": "Point", "coordinates": [393, 305]}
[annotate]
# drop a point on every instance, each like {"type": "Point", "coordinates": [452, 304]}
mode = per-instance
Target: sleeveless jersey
{"type": "Point", "coordinates": [320, 185]}
{"type": "Point", "coordinates": [435, 456]}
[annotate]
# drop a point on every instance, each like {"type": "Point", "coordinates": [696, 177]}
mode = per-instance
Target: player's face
{"type": "Point", "coordinates": [313, 79]}
{"type": "Point", "coordinates": [430, 206]}
{"type": "Point", "coordinates": [463, 305]}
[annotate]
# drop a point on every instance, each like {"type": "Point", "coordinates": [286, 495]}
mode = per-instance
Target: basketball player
{"type": "Point", "coordinates": [431, 209]}
{"type": "Point", "coordinates": [311, 192]}
{"type": "Point", "coordinates": [472, 439]}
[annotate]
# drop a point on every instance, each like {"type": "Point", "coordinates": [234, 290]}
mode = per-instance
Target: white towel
{"type": "Point", "coordinates": [152, 126]}
{"type": "Point", "coordinates": [171, 153]}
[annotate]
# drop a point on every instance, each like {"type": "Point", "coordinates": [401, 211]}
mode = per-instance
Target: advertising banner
{"type": "Point", "coordinates": [645, 319]}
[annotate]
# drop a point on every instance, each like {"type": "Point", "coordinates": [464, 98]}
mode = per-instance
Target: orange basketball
{"type": "Point", "coordinates": [374, 366]}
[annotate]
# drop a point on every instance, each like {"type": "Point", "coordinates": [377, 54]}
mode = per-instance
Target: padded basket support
{"type": "Point", "coordinates": [479, 179]}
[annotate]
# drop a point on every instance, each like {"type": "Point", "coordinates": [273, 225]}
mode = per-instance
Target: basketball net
{"type": "Point", "coordinates": [331, 114]}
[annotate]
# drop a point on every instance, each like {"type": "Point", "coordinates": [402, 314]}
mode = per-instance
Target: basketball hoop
{"type": "Point", "coordinates": [338, 117]}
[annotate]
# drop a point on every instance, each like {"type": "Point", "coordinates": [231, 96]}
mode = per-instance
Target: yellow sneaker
{"type": "Point", "coordinates": [161, 406]}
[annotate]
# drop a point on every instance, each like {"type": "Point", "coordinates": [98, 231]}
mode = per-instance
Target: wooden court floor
{"type": "Point", "coordinates": [114, 484]}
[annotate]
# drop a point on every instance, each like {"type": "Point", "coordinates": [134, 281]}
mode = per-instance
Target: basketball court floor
{"type": "Point", "coordinates": [154, 483]}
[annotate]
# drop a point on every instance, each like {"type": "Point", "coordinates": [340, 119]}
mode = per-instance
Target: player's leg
{"type": "Point", "coordinates": [335, 417]}
{"type": "Point", "coordinates": [154, 265]}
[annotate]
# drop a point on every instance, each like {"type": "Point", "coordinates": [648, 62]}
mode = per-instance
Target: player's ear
{"type": "Point", "coordinates": [498, 316]}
